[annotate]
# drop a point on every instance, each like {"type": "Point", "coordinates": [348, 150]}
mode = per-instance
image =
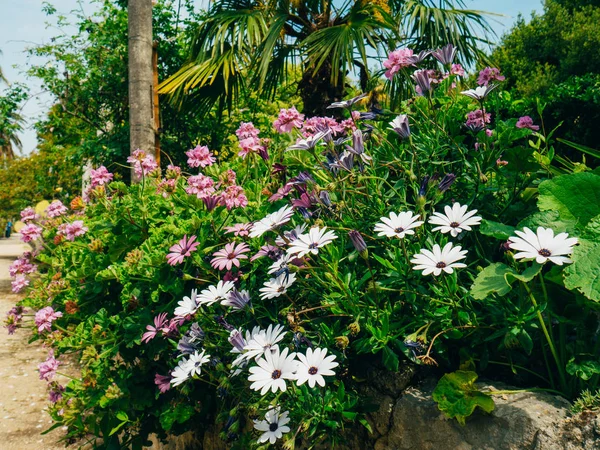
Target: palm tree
{"type": "Point", "coordinates": [141, 123]}
{"type": "Point", "coordinates": [243, 43]}
{"type": "Point", "coordinates": [11, 121]}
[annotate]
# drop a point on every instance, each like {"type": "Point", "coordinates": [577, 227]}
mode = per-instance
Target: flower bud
{"type": "Point", "coordinates": [342, 342]}
{"type": "Point", "coordinates": [359, 243]}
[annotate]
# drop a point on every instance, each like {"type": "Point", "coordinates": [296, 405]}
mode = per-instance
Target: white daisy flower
{"type": "Point", "coordinates": [543, 245]}
{"type": "Point", "coordinates": [216, 293]}
{"type": "Point", "coordinates": [272, 221]}
{"type": "Point", "coordinates": [439, 259]}
{"type": "Point", "coordinates": [313, 366]}
{"type": "Point", "coordinates": [398, 225]}
{"type": "Point", "coordinates": [264, 341]}
{"type": "Point", "coordinates": [282, 263]}
{"type": "Point", "coordinates": [310, 141]}
{"type": "Point", "coordinates": [181, 373]}
{"type": "Point", "coordinates": [311, 242]}
{"type": "Point", "coordinates": [456, 219]}
{"type": "Point", "coordinates": [272, 371]}
{"type": "Point", "coordinates": [277, 286]}
{"type": "Point", "coordinates": [188, 305]}
{"type": "Point", "coordinates": [274, 426]}
{"type": "Point", "coordinates": [480, 92]}
{"type": "Point", "coordinates": [196, 361]}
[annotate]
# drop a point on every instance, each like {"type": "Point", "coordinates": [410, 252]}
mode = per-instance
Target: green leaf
{"type": "Point", "coordinates": [390, 359]}
{"type": "Point", "coordinates": [457, 396]}
{"type": "Point", "coordinates": [179, 414]}
{"type": "Point", "coordinates": [498, 278]}
{"type": "Point", "coordinates": [575, 196]}
{"type": "Point", "coordinates": [584, 274]}
{"type": "Point", "coordinates": [525, 341]}
{"type": "Point", "coordinates": [584, 369]}
{"type": "Point", "coordinates": [490, 280]}
{"type": "Point", "coordinates": [496, 229]}
{"type": "Point", "coordinates": [122, 416]}
{"type": "Point", "coordinates": [582, 148]}
{"type": "Point", "coordinates": [548, 219]}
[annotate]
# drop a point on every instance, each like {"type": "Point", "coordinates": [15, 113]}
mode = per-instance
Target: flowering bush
{"type": "Point", "coordinates": [252, 293]}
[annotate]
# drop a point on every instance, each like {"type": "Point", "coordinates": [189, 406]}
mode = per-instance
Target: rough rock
{"type": "Point", "coordinates": [533, 421]}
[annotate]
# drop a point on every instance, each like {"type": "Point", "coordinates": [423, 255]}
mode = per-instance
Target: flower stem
{"type": "Point", "coordinates": [561, 374]}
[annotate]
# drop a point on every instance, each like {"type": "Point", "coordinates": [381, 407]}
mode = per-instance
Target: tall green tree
{"type": "Point", "coordinates": [11, 121]}
{"type": "Point", "coordinates": [554, 57]}
{"type": "Point", "coordinates": [245, 43]}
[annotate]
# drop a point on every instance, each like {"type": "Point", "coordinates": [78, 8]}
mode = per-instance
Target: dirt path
{"type": "Point", "coordinates": [23, 396]}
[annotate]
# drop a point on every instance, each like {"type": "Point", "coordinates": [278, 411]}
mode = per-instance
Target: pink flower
{"type": "Point", "coordinates": [239, 229]}
{"type": "Point", "coordinates": [398, 59]}
{"type": "Point", "coordinates": [527, 122]}
{"type": "Point", "coordinates": [182, 250]}
{"type": "Point", "coordinates": [229, 256]}
{"type": "Point", "coordinates": [478, 119]}
{"type": "Point", "coordinates": [163, 382]}
{"type": "Point", "coordinates": [48, 368]}
{"type": "Point", "coordinates": [314, 125]}
{"type": "Point", "coordinates": [457, 69]}
{"type": "Point", "coordinates": [501, 162]}
{"type": "Point", "coordinates": [44, 318]}
{"type": "Point", "coordinates": [100, 176]}
{"type": "Point", "coordinates": [349, 125]}
{"type": "Point", "coordinates": [489, 74]}
{"type": "Point", "coordinates": [282, 192]}
{"type": "Point", "coordinates": [143, 164]}
{"type": "Point", "coordinates": [201, 185]}
{"type": "Point", "coordinates": [30, 232]}
{"type": "Point", "coordinates": [200, 157]}
{"type": "Point", "coordinates": [28, 214]}
{"type": "Point", "coordinates": [72, 230]}
{"type": "Point", "coordinates": [489, 132]}
{"type": "Point", "coordinates": [160, 324]}
{"type": "Point", "coordinates": [247, 130]}
{"type": "Point", "coordinates": [250, 145]}
{"type": "Point", "coordinates": [288, 120]}
{"type": "Point", "coordinates": [233, 197]}
{"type": "Point", "coordinates": [56, 209]}
{"type": "Point", "coordinates": [21, 266]}
{"type": "Point", "coordinates": [19, 283]}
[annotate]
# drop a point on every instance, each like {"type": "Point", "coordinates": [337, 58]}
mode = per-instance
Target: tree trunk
{"type": "Point", "coordinates": [141, 115]}
{"type": "Point", "coordinates": [317, 91]}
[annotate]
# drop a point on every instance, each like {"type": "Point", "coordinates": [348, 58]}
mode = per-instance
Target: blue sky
{"type": "Point", "coordinates": [22, 24]}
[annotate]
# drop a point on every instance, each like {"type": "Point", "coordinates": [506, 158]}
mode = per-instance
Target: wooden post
{"type": "Point", "coordinates": [141, 123]}
{"type": "Point", "coordinates": [156, 109]}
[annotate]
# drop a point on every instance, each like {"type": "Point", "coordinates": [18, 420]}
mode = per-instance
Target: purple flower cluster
{"type": "Point", "coordinates": [72, 230]}
{"type": "Point", "coordinates": [48, 368]}
{"type": "Point", "coordinates": [31, 232]}
{"type": "Point", "coordinates": [56, 209]}
{"type": "Point", "coordinates": [13, 319]}
{"type": "Point", "coordinates": [44, 318]}
{"type": "Point", "coordinates": [100, 176]}
{"type": "Point", "coordinates": [143, 164]}
{"type": "Point", "coordinates": [288, 120]}
{"type": "Point", "coordinates": [489, 74]}
{"type": "Point", "coordinates": [200, 156]}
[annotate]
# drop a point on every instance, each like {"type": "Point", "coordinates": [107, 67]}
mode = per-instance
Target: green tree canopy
{"type": "Point", "coordinates": [555, 57]}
